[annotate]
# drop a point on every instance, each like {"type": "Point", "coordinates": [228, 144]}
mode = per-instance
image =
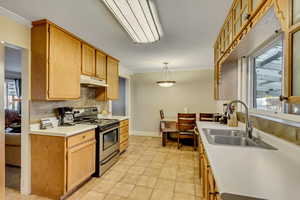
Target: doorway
{"type": "Point", "coordinates": [14, 129]}
{"type": "Point", "coordinates": [13, 115]}
{"type": "Point", "coordinates": [119, 107]}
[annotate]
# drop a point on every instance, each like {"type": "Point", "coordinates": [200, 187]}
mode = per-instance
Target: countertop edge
{"type": "Point", "coordinates": [50, 132]}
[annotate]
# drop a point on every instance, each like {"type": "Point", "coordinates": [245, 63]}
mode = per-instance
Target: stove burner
{"type": "Point", "coordinates": [99, 122]}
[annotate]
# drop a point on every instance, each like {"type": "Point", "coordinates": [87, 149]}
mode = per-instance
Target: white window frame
{"type": "Point", "coordinates": [248, 86]}
{"type": "Point", "coordinates": [262, 48]}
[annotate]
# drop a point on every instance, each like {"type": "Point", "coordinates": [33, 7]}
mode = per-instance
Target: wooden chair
{"type": "Point", "coordinates": [208, 117]}
{"type": "Point", "coordinates": [162, 115]}
{"type": "Point", "coordinates": [185, 124]}
{"type": "Point", "coordinates": [166, 127]}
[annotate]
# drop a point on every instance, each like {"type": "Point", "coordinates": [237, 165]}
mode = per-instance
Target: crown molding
{"type": "Point", "coordinates": [15, 17]}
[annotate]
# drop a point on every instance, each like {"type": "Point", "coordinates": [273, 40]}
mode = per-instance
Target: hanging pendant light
{"type": "Point", "coordinates": [166, 81]}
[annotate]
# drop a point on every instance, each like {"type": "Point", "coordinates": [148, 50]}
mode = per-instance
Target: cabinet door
{"type": "Point", "coordinates": [88, 60]}
{"type": "Point", "coordinates": [64, 65]}
{"type": "Point", "coordinates": [81, 163]}
{"type": "Point", "coordinates": [112, 79]}
{"type": "Point", "coordinates": [255, 4]}
{"type": "Point", "coordinates": [100, 65]}
{"type": "Point", "coordinates": [296, 11]}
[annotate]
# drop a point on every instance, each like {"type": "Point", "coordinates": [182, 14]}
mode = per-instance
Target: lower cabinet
{"type": "Point", "coordinates": [209, 187]}
{"type": "Point", "coordinates": [81, 163]}
{"type": "Point", "coordinates": [124, 135]}
{"type": "Point", "coordinates": [60, 164]}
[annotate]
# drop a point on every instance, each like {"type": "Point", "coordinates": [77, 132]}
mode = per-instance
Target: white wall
{"type": "Point", "coordinates": [193, 90]}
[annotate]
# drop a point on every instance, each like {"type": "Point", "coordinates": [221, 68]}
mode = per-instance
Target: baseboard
{"type": "Point", "coordinates": [145, 133]}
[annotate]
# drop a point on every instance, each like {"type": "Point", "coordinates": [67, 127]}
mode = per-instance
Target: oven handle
{"type": "Point", "coordinates": [109, 158]}
{"type": "Point", "coordinates": [109, 130]}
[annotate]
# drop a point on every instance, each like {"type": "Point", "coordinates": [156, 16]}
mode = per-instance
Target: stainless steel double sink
{"type": "Point", "coordinates": [234, 138]}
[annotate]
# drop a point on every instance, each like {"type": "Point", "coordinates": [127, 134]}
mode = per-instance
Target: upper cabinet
{"type": "Point", "coordinates": [100, 65]}
{"type": "Point", "coordinates": [296, 64]}
{"type": "Point", "coordinates": [242, 18]}
{"type": "Point", "coordinates": [55, 53]}
{"type": "Point", "coordinates": [112, 78]}
{"type": "Point", "coordinates": [88, 60]}
{"type": "Point", "coordinates": [111, 92]}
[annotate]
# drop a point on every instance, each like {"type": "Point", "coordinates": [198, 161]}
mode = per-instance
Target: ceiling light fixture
{"type": "Point", "coordinates": [138, 17]}
{"type": "Point", "coordinates": [166, 80]}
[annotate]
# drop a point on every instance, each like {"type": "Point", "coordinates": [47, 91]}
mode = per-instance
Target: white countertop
{"type": "Point", "coordinates": [66, 131]}
{"type": "Point", "coordinates": [255, 172]}
{"type": "Point", "coordinates": [63, 131]}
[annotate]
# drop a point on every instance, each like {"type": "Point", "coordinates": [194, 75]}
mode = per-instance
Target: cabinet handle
{"type": "Point", "coordinates": [247, 16]}
{"type": "Point", "coordinates": [213, 193]}
{"type": "Point", "coordinates": [283, 98]}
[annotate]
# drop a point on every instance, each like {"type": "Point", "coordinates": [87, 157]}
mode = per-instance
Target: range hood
{"type": "Point", "coordinates": [92, 82]}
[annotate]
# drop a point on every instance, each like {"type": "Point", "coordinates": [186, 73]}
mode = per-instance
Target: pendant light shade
{"type": "Point", "coordinates": [166, 80]}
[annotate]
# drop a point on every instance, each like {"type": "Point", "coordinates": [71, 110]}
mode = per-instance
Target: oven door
{"type": "Point", "coordinates": [109, 142]}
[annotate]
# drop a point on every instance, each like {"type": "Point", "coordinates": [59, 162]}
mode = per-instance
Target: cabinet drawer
{"type": "Point", "coordinates": [80, 138]}
{"type": "Point", "coordinates": [124, 123]}
{"type": "Point", "coordinates": [123, 136]}
{"type": "Point", "coordinates": [124, 129]}
{"type": "Point", "coordinates": [123, 146]}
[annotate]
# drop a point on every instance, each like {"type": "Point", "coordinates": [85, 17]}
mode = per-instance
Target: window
{"type": "Point", "coordinates": [266, 76]}
{"type": "Point", "coordinates": [12, 94]}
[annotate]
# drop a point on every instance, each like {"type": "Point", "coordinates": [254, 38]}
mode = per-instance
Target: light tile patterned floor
{"type": "Point", "coordinates": [146, 171]}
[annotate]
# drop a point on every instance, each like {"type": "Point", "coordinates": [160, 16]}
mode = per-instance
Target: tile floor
{"type": "Point", "coordinates": [146, 171]}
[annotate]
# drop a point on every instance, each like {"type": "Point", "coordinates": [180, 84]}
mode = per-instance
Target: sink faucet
{"type": "Point", "coordinates": [248, 123]}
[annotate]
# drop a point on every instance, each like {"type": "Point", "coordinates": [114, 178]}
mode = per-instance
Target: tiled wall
{"type": "Point", "coordinates": [40, 109]}
{"type": "Point", "coordinates": [283, 131]}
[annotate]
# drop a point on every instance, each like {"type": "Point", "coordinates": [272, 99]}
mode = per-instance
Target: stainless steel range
{"type": "Point", "coordinates": [107, 137]}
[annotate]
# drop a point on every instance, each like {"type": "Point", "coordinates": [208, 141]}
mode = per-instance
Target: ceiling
{"type": "Point", "coordinates": [190, 28]}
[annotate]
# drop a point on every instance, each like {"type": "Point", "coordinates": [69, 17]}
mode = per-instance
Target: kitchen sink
{"type": "Point", "coordinates": [226, 132]}
{"type": "Point", "coordinates": [234, 138]}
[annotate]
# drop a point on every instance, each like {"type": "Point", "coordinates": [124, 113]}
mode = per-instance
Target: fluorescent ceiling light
{"type": "Point", "coordinates": [138, 17]}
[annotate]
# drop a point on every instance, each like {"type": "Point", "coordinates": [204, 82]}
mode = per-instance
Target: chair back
{"type": "Point", "coordinates": [208, 117]}
{"type": "Point", "coordinates": [186, 121]}
{"type": "Point", "coordinates": [162, 115]}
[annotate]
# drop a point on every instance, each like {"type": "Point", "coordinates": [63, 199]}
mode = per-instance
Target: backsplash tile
{"type": "Point", "coordinates": [40, 109]}
{"type": "Point", "coordinates": [283, 131]}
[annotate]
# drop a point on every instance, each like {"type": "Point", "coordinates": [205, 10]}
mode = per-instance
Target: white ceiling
{"type": "Point", "coordinates": [190, 29]}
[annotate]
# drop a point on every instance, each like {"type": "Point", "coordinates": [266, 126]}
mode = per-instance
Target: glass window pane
{"type": "Point", "coordinates": [267, 80]}
{"type": "Point", "coordinates": [296, 64]}
{"type": "Point", "coordinates": [296, 11]}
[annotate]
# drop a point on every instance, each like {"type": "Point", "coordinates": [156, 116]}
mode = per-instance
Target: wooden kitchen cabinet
{"type": "Point", "coordinates": [111, 92]}
{"type": "Point", "coordinates": [209, 188]}
{"type": "Point", "coordinates": [54, 54]}
{"type": "Point", "coordinates": [100, 65]}
{"type": "Point", "coordinates": [295, 11]}
{"type": "Point", "coordinates": [60, 164]}
{"type": "Point", "coordinates": [81, 163]}
{"type": "Point", "coordinates": [88, 54]}
{"type": "Point", "coordinates": [124, 135]}
{"type": "Point", "coordinates": [112, 78]}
